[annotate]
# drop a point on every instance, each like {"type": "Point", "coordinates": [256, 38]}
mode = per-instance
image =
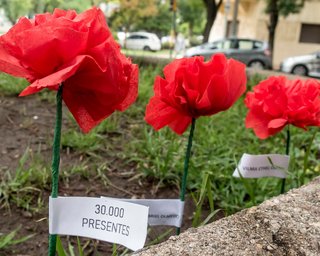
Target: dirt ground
{"type": "Point", "coordinates": [28, 122]}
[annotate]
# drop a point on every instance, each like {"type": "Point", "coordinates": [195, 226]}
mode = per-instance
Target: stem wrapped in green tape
{"type": "Point", "coordinates": [55, 163]}
{"type": "Point", "coordinates": [186, 165]}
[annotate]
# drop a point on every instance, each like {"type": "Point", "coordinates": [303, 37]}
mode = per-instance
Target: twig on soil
{"type": "Point", "coordinates": [120, 189]}
{"type": "Point", "coordinates": [10, 120]}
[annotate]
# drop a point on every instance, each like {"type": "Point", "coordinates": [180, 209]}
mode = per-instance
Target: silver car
{"type": "Point", "coordinates": [304, 65]}
{"type": "Point", "coordinates": [253, 53]}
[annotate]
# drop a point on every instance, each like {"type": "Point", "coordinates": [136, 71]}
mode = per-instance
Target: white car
{"type": "Point", "coordinates": [304, 65]}
{"type": "Point", "coordinates": [142, 41]}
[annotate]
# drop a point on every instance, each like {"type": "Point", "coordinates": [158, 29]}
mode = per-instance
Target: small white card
{"type": "Point", "coordinates": [166, 212]}
{"type": "Point", "coordinates": [105, 219]}
{"type": "Point", "coordinates": [257, 166]}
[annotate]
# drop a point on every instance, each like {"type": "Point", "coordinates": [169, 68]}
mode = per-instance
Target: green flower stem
{"type": "Point", "coordinates": [186, 165]}
{"type": "Point", "coordinates": [283, 183]}
{"type": "Point", "coordinates": [55, 163]}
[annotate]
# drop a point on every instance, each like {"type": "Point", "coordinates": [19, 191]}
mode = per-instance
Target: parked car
{"type": "Point", "coordinates": [253, 53]}
{"type": "Point", "coordinates": [142, 41]}
{"type": "Point", "coordinates": [304, 65]}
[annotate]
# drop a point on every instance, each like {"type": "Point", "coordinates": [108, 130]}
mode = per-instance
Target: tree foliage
{"type": "Point", "coordinates": [192, 12]}
{"type": "Point", "coordinates": [17, 8]}
{"type": "Point", "coordinates": [41, 6]}
{"type": "Point", "coordinates": [160, 23]}
{"type": "Point", "coordinates": [78, 5]}
{"type": "Point", "coordinates": [131, 11]}
{"type": "Point", "coordinates": [285, 7]}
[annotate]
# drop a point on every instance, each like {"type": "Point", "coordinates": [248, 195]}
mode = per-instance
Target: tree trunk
{"type": "Point", "coordinates": [11, 19]}
{"type": "Point", "coordinates": [190, 30]}
{"type": "Point", "coordinates": [274, 17]}
{"type": "Point", "coordinates": [212, 8]}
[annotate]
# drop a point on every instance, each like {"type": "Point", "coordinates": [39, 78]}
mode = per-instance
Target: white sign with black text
{"type": "Point", "coordinates": [257, 166]}
{"type": "Point", "coordinates": [106, 219]}
{"type": "Point", "coordinates": [166, 212]}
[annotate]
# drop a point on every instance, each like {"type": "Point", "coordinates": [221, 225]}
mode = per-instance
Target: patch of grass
{"type": "Point", "coordinates": [82, 142]}
{"type": "Point", "coordinates": [11, 86]}
{"type": "Point", "coordinates": [62, 252]}
{"type": "Point", "coordinates": [205, 192]}
{"type": "Point", "coordinates": [254, 79]}
{"type": "Point", "coordinates": [7, 240]}
{"type": "Point", "coordinates": [24, 186]}
{"type": "Point", "coordinates": [164, 53]}
{"type": "Point", "coordinates": [48, 95]}
{"type": "Point", "coordinates": [68, 173]}
{"type": "Point", "coordinates": [147, 76]}
{"type": "Point", "coordinates": [158, 154]}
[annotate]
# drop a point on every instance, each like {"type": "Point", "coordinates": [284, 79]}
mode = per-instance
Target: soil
{"type": "Point", "coordinates": [27, 123]}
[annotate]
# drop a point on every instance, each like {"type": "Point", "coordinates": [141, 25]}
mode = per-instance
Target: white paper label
{"type": "Point", "coordinates": [166, 212]}
{"type": "Point", "coordinates": [105, 219]}
{"type": "Point", "coordinates": [257, 166]}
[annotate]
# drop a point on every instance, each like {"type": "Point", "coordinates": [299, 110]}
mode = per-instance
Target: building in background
{"type": "Point", "coordinates": [295, 35]}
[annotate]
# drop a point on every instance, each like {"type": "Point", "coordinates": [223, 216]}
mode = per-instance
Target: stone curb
{"type": "Point", "coordinates": [288, 224]}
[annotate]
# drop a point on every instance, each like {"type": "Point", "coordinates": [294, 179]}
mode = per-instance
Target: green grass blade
{"type": "Point", "coordinates": [80, 250]}
{"type": "Point", "coordinates": [59, 247]}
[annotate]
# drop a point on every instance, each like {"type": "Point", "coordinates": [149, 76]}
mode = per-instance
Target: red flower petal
{"type": "Point", "coordinates": [159, 114]}
{"type": "Point", "coordinates": [78, 51]}
{"type": "Point", "coordinates": [194, 88]}
{"type": "Point", "coordinates": [277, 102]}
{"type": "Point", "coordinates": [277, 123]}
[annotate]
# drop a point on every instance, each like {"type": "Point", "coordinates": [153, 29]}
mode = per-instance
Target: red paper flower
{"type": "Point", "coordinates": [77, 50]}
{"type": "Point", "coordinates": [194, 88]}
{"type": "Point", "coordinates": [276, 102]}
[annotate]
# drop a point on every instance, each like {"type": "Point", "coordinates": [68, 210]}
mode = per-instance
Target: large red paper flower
{"type": "Point", "coordinates": [277, 102]}
{"type": "Point", "coordinates": [77, 50]}
{"type": "Point", "coordinates": [194, 88]}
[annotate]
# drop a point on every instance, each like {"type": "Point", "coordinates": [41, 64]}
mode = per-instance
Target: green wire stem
{"type": "Point", "coordinates": [55, 163]}
{"type": "Point", "coordinates": [186, 165]}
{"type": "Point", "coordinates": [283, 183]}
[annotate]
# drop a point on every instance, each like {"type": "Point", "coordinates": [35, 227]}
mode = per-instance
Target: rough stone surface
{"type": "Point", "coordinates": [285, 225]}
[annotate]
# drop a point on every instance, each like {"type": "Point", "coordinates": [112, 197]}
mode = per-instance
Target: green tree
{"type": "Point", "coordinates": [131, 11]}
{"type": "Point", "coordinates": [160, 23]}
{"type": "Point", "coordinates": [17, 8]}
{"type": "Point", "coordinates": [42, 6]}
{"type": "Point", "coordinates": [276, 8]}
{"type": "Point", "coordinates": [192, 12]}
{"type": "Point", "coordinates": [78, 5]}
{"type": "Point", "coordinates": [14, 9]}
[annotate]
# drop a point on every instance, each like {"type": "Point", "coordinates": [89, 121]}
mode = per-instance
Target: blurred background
{"type": "Point", "coordinates": [286, 28]}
